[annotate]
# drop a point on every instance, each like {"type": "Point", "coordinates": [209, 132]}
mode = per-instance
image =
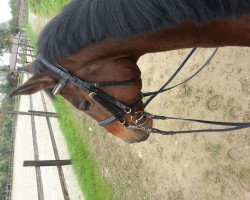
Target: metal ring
{"type": "Point", "coordinates": [137, 120]}
{"type": "Point", "coordinates": [141, 117]}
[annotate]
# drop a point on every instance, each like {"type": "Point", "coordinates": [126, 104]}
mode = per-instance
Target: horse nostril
{"type": "Point", "coordinates": [86, 105]}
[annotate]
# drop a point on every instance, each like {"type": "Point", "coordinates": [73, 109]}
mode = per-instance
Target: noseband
{"type": "Point", "coordinates": [115, 107]}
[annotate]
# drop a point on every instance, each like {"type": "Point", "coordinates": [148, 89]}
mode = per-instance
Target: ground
{"type": "Point", "coordinates": [207, 166]}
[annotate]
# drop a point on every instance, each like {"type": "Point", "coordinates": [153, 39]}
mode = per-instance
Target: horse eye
{"type": "Point", "coordinates": [85, 105]}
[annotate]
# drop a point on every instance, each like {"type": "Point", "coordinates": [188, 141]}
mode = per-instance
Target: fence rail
{"type": "Point", "coordinates": [30, 113]}
{"type": "Point", "coordinates": [46, 163]}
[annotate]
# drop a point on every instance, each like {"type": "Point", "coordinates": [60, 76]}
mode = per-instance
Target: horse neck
{"type": "Point", "coordinates": [229, 32]}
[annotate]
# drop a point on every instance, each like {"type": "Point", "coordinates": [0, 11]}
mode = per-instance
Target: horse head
{"type": "Point", "coordinates": [114, 71]}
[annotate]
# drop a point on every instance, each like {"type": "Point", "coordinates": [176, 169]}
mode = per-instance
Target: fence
{"type": "Point", "coordinates": [37, 163]}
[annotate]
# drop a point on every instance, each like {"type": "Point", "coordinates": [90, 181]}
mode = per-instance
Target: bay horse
{"type": "Point", "coordinates": [100, 42]}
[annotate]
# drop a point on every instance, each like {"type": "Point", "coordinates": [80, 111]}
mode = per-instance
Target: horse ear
{"type": "Point", "coordinates": [34, 84]}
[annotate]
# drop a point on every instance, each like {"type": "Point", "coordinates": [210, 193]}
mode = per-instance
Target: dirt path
{"type": "Point", "coordinates": [187, 167]}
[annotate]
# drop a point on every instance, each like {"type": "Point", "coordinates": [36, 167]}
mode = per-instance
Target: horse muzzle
{"type": "Point", "coordinates": [139, 134]}
{"type": "Point", "coordinates": [129, 135]}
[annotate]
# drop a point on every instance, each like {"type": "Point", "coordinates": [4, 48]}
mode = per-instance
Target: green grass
{"type": "Point", "coordinates": [187, 89]}
{"type": "Point", "coordinates": [85, 168]}
{"type": "Point", "coordinates": [176, 158]}
{"type": "Point", "coordinates": [46, 7]}
{"type": "Point", "coordinates": [91, 182]}
{"type": "Point", "coordinates": [31, 35]}
{"type": "Point", "coordinates": [214, 149]}
{"type": "Point", "coordinates": [6, 136]}
{"type": "Point", "coordinates": [245, 174]}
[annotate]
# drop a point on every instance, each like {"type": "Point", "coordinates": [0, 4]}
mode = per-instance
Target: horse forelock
{"type": "Point", "coordinates": [85, 22]}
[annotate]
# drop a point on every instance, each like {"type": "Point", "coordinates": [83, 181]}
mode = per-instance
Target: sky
{"type": "Point", "coordinates": [4, 60]}
{"type": "Point", "coordinates": [5, 13]}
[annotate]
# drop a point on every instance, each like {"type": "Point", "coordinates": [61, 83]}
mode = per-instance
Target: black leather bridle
{"type": "Point", "coordinates": [119, 110]}
{"type": "Point", "coordinates": [115, 107]}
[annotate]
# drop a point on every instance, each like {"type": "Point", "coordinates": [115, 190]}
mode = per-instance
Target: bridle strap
{"type": "Point", "coordinates": [118, 109]}
{"type": "Point", "coordinates": [162, 90]}
{"type": "Point", "coordinates": [113, 118]}
{"type": "Point", "coordinates": [159, 117]}
{"type": "Point", "coordinates": [115, 83]}
{"type": "Point", "coordinates": [115, 107]}
{"type": "Point", "coordinates": [153, 95]}
{"type": "Point", "coordinates": [232, 125]}
{"type": "Point", "coordinates": [107, 121]}
{"type": "Point", "coordinates": [161, 132]}
{"type": "Point", "coordinates": [60, 85]}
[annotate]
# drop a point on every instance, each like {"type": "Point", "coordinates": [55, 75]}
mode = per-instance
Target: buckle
{"type": "Point", "coordinates": [92, 94]}
{"type": "Point", "coordinates": [58, 87]}
{"type": "Point", "coordinates": [128, 110]}
{"type": "Point", "coordinates": [123, 121]}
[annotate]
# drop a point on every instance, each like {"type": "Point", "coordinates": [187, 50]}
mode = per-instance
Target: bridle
{"type": "Point", "coordinates": [140, 118]}
{"type": "Point", "coordinates": [115, 107]}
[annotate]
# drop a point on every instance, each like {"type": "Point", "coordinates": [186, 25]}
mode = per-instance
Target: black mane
{"type": "Point", "coordinates": [85, 22]}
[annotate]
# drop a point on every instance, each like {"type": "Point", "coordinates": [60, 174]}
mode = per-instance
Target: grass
{"type": "Point", "coordinates": [6, 134]}
{"type": "Point", "coordinates": [46, 7]}
{"type": "Point", "coordinates": [85, 168]}
{"type": "Point", "coordinates": [187, 89]}
{"type": "Point", "coordinates": [227, 108]}
{"type": "Point", "coordinates": [245, 174]}
{"type": "Point", "coordinates": [210, 91]}
{"type": "Point", "coordinates": [214, 149]}
{"type": "Point", "coordinates": [176, 158]}
{"type": "Point", "coordinates": [31, 35]}
{"type": "Point", "coordinates": [90, 179]}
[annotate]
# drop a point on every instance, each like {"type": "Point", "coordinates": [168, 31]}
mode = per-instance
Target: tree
{"type": "Point", "coordinates": [4, 72]}
{"type": "Point", "coordinates": [15, 9]}
{"type": "Point", "coordinates": [5, 38]}
{"type": "Point", "coordinates": [4, 69]}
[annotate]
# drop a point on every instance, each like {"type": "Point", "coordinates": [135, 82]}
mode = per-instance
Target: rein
{"type": "Point", "coordinates": [152, 95]}
{"type": "Point", "coordinates": [118, 109]}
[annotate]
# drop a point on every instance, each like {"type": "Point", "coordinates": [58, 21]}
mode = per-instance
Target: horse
{"type": "Point", "coordinates": [89, 52]}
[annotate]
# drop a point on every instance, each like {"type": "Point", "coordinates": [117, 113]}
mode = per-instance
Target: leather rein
{"type": "Point", "coordinates": [119, 110]}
